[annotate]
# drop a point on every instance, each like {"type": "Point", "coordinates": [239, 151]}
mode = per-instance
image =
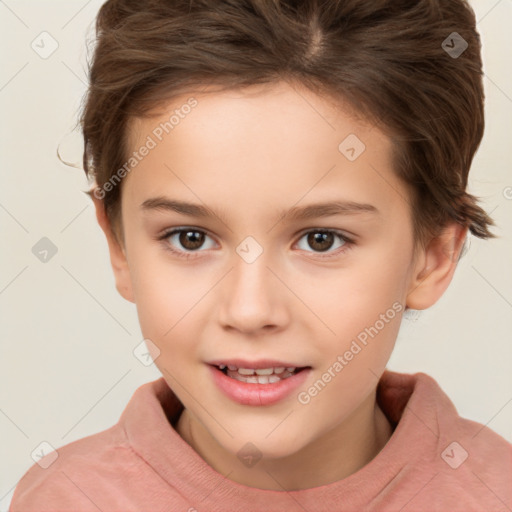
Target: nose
{"type": "Point", "coordinates": [253, 298]}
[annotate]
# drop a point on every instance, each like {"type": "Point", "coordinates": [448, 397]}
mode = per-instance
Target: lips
{"type": "Point", "coordinates": [262, 382]}
{"type": "Point", "coordinates": [259, 393]}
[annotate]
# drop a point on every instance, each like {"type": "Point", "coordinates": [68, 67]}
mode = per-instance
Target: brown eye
{"type": "Point", "coordinates": [321, 240]}
{"type": "Point", "coordinates": [191, 239]}
{"type": "Point", "coordinates": [186, 241]}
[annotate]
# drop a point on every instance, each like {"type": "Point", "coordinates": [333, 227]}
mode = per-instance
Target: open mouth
{"type": "Point", "coordinates": [270, 382]}
{"type": "Point", "coordinates": [260, 375]}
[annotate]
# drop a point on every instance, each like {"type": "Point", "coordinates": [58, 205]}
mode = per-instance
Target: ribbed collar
{"type": "Point", "coordinates": [412, 404]}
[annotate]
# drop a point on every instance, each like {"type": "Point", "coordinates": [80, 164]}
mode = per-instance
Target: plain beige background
{"type": "Point", "coordinates": [67, 337]}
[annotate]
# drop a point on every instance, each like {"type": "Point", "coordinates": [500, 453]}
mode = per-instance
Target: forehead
{"type": "Point", "coordinates": [257, 111]}
{"type": "Point", "coordinates": [261, 146]}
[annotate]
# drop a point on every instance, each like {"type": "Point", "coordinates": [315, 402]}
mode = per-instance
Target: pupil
{"type": "Point", "coordinates": [319, 238]}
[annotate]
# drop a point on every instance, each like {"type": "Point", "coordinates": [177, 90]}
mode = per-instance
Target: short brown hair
{"type": "Point", "coordinates": [384, 57]}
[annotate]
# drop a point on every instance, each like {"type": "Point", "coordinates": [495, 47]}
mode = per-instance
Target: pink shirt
{"type": "Point", "coordinates": [434, 461]}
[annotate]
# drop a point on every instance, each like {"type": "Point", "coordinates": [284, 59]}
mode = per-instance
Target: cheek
{"type": "Point", "coordinates": [168, 297]}
{"type": "Point", "coordinates": [353, 360]}
{"type": "Point", "coordinates": [349, 300]}
{"type": "Point", "coordinates": [363, 309]}
{"type": "Point", "coordinates": [170, 315]}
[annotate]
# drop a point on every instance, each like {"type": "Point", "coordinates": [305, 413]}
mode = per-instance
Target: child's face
{"type": "Point", "coordinates": [247, 158]}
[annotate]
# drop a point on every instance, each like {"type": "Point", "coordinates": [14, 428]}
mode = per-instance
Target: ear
{"type": "Point", "coordinates": [435, 267]}
{"type": "Point", "coordinates": [117, 253]}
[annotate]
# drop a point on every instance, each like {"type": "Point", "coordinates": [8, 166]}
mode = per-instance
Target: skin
{"type": "Point", "coordinates": [248, 156]}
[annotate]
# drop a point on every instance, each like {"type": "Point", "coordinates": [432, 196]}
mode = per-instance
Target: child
{"type": "Point", "coordinates": [278, 181]}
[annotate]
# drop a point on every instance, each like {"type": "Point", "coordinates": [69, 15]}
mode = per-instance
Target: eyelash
{"type": "Point", "coordinates": [348, 242]}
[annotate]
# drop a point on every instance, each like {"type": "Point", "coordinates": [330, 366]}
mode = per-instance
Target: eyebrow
{"type": "Point", "coordinates": [312, 211]}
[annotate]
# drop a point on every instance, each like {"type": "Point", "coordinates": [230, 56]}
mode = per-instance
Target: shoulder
{"type": "Point", "coordinates": [484, 456]}
{"type": "Point", "coordinates": [472, 470]}
{"type": "Point", "coordinates": [450, 461]}
{"type": "Point", "coordinates": [474, 461]}
{"type": "Point", "coordinates": [69, 478]}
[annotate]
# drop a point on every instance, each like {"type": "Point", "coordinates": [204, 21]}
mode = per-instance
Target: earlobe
{"type": "Point", "coordinates": [117, 253]}
{"type": "Point", "coordinates": [436, 267]}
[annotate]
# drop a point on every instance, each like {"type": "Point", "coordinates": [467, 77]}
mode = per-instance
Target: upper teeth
{"type": "Point", "coordinates": [258, 371]}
